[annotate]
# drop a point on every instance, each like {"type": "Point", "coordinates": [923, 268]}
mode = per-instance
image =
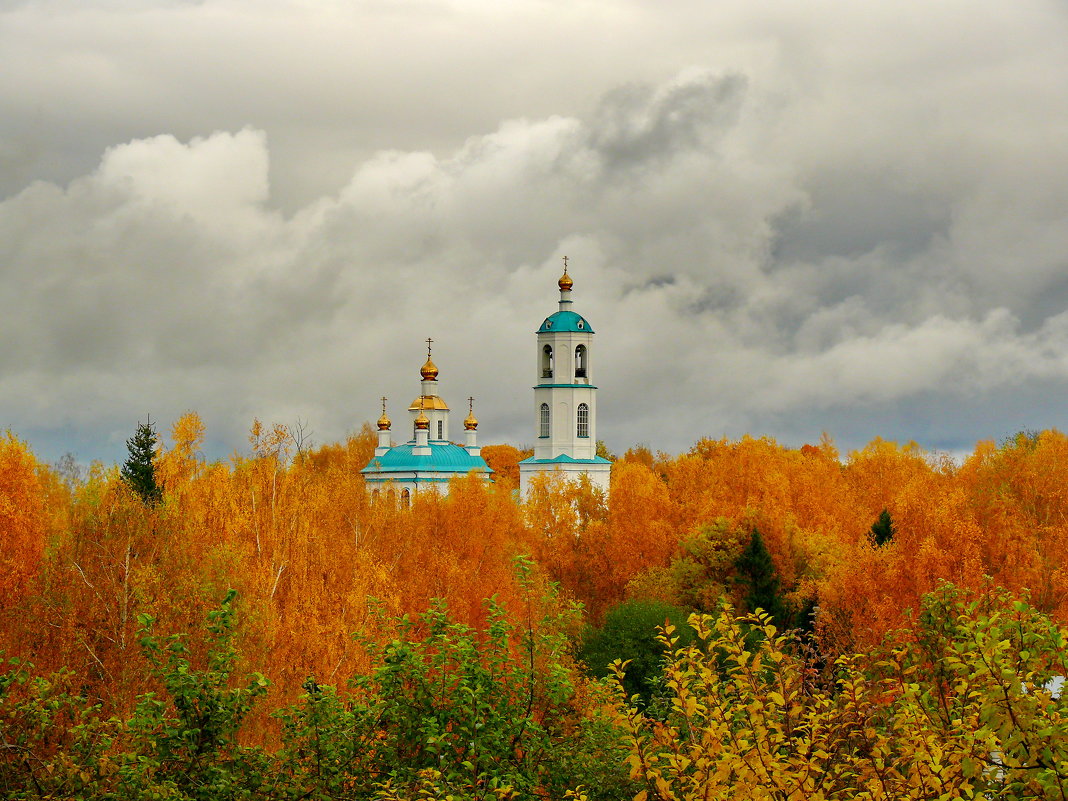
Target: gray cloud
{"type": "Point", "coordinates": [847, 219]}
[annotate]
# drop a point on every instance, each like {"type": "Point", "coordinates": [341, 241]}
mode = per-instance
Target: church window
{"type": "Point", "coordinates": [406, 498]}
{"type": "Point", "coordinates": [547, 362]}
{"type": "Point", "coordinates": [544, 420]}
{"type": "Point", "coordinates": [441, 429]}
{"type": "Point", "coordinates": [583, 421]}
{"type": "Point", "coordinates": [580, 361]}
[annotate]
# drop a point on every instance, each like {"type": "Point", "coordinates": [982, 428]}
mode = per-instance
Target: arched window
{"type": "Point", "coordinates": [580, 361]}
{"type": "Point", "coordinates": [547, 362]}
{"type": "Point", "coordinates": [406, 498]}
{"type": "Point", "coordinates": [583, 421]}
{"type": "Point", "coordinates": [544, 420]}
{"type": "Point", "coordinates": [441, 429]}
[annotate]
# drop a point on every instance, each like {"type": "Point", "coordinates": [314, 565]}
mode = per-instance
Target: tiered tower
{"type": "Point", "coordinates": [565, 398]}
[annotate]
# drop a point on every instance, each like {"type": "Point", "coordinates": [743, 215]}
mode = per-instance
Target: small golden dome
{"type": "Point", "coordinates": [383, 423]}
{"type": "Point", "coordinates": [565, 283]}
{"type": "Point", "coordinates": [470, 423]}
{"type": "Point", "coordinates": [429, 371]}
{"type": "Point", "coordinates": [422, 422]}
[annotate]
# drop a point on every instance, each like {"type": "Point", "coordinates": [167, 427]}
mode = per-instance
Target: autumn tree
{"type": "Point", "coordinates": [962, 707]}
{"type": "Point", "coordinates": [700, 574]}
{"type": "Point", "coordinates": [504, 461]}
{"type": "Point", "coordinates": [22, 521]}
{"type": "Point", "coordinates": [139, 470]}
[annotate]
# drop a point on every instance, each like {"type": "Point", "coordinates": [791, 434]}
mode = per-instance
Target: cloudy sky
{"type": "Point", "coordinates": [782, 218]}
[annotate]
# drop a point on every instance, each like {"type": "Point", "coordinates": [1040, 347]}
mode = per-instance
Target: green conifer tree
{"type": "Point", "coordinates": [882, 530]}
{"type": "Point", "coordinates": [139, 471]}
{"type": "Point", "coordinates": [757, 571]}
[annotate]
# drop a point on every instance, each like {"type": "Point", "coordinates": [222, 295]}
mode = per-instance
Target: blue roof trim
{"type": "Point", "coordinates": [418, 478]}
{"type": "Point", "coordinates": [565, 321]}
{"type": "Point", "coordinates": [558, 386]}
{"type": "Point", "coordinates": [444, 457]}
{"type": "Point", "coordinates": [565, 459]}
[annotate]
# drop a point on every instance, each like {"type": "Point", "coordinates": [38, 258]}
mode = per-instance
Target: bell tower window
{"type": "Point", "coordinates": [547, 362]}
{"type": "Point", "coordinates": [580, 361]}
{"type": "Point", "coordinates": [544, 426]}
{"type": "Point", "coordinates": [583, 420]}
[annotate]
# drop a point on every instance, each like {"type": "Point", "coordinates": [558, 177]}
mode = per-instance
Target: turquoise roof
{"type": "Point", "coordinates": [444, 457]}
{"type": "Point", "coordinates": [565, 321]}
{"type": "Point", "coordinates": [565, 459]}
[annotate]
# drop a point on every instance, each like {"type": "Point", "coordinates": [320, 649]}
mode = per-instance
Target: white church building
{"type": "Point", "coordinates": [565, 419]}
{"type": "Point", "coordinates": [429, 458]}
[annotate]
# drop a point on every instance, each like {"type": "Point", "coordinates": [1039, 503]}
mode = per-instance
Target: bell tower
{"type": "Point", "coordinates": [565, 397]}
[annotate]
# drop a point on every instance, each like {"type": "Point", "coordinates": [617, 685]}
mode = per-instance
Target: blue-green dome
{"type": "Point", "coordinates": [565, 321]}
{"type": "Point", "coordinates": [444, 457]}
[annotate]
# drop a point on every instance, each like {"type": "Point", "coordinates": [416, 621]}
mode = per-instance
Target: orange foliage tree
{"type": "Point", "coordinates": [22, 521]}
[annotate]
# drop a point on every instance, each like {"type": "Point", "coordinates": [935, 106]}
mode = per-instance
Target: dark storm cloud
{"type": "Point", "coordinates": [829, 226]}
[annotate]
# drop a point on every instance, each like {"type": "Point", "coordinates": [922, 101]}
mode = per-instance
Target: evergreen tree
{"type": "Point", "coordinates": [138, 471]}
{"type": "Point", "coordinates": [882, 530]}
{"type": "Point", "coordinates": [630, 634]}
{"type": "Point", "coordinates": [757, 571]}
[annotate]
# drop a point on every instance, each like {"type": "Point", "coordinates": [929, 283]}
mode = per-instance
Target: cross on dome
{"type": "Point", "coordinates": [384, 421]}
{"type": "Point", "coordinates": [429, 371]}
{"type": "Point", "coordinates": [565, 283]}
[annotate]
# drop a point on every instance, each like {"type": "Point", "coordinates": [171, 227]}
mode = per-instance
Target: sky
{"type": "Point", "coordinates": [781, 218]}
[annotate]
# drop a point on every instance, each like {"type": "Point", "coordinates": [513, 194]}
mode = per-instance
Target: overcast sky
{"type": "Point", "coordinates": [782, 218]}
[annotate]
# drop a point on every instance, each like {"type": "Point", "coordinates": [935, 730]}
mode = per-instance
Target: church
{"type": "Point", "coordinates": [429, 458]}
{"type": "Point", "coordinates": [565, 419]}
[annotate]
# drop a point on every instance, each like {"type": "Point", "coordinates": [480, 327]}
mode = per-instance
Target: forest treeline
{"type": "Point", "coordinates": [95, 579]}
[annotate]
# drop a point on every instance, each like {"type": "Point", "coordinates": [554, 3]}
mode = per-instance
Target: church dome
{"type": "Point", "coordinates": [565, 283]}
{"type": "Point", "coordinates": [429, 402]}
{"type": "Point", "coordinates": [565, 321]}
{"type": "Point", "coordinates": [384, 422]}
{"type": "Point", "coordinates": [422, 422]}
{"type": "Point", "coordinates": [429, 371]}
{"type": "Point", "coordinates": [470, 422]}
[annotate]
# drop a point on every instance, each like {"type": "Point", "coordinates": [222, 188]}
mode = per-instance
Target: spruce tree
{"type": "Point", "coordinates": [882, 530]}
{"type": "Point", "coordinates": [757, 570]}
{"type": "Point", "coordinates": [138, 471]}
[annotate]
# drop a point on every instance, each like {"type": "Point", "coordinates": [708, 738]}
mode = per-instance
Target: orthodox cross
{"type": "Point", "coordinates": [383, 405]}
{"type": "Point", "coordinates": [470, 405]}
{"type": "Point", "coordinates": [565, 264]}
{"type": "Point", "coordinates": [428, 342]}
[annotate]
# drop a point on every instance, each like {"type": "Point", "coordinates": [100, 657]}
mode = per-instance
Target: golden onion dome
{"type": "Point", "coordinates": [565, 283]}
{"type": "Point", "coordinates": [470, 423]}
{"type": "Point", "coordinates": [429, 371]}
{"type": "Point", "coordinates": [422, 422]}
{"type": "Point", "coordinates": [384, 423]}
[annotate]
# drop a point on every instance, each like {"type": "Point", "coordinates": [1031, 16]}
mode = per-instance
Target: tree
{"type": "Point", "coordinates": [882, 530]}
{"type": "Point", "coordinates": [139, 471]}
{"type": "Point", "coordinates": [22, 520]}
{"type": "Point", "coordinates": [630, 634]}
{"type": "Point", "coordinates": [963, 706]}
{"type": "Point", "coordinates": [757, 571]}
